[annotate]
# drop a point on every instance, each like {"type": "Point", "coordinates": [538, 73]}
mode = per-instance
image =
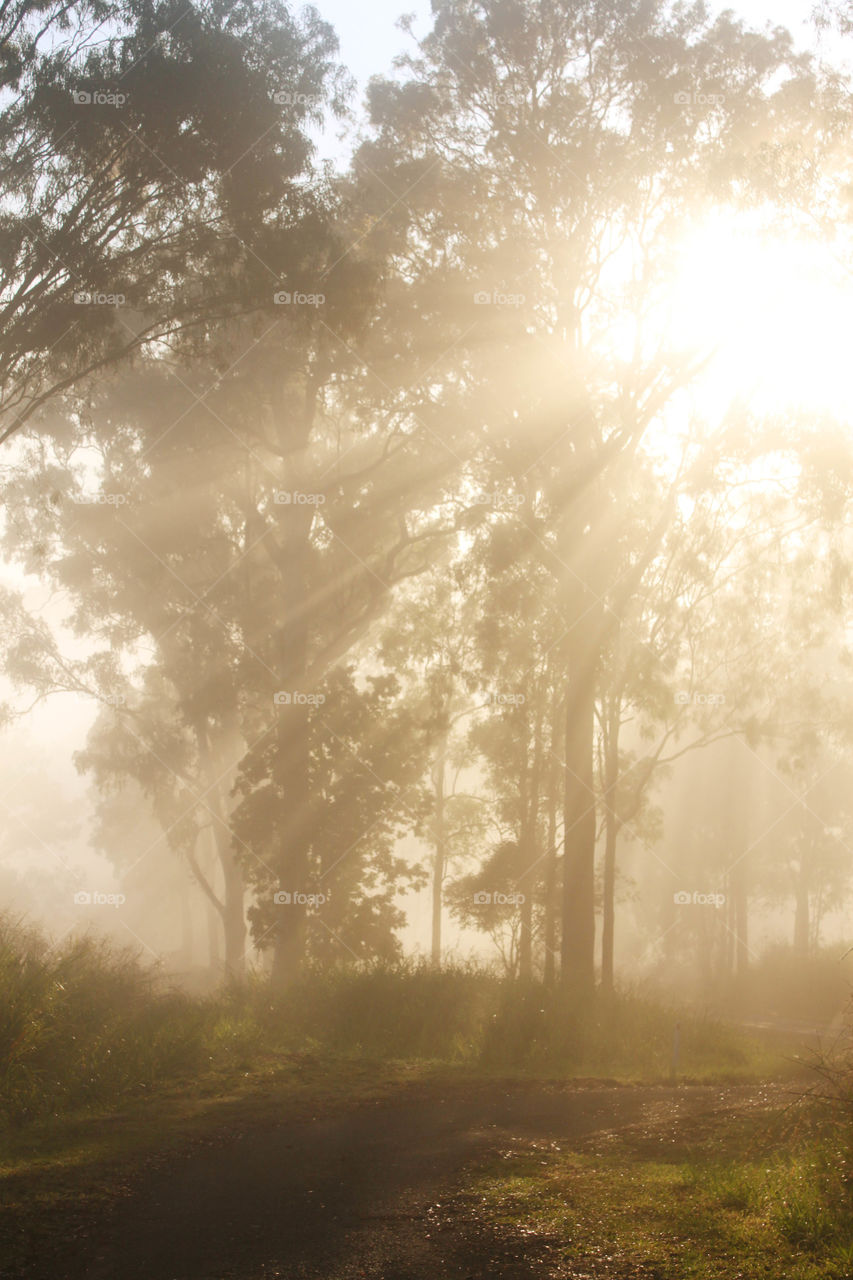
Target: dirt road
{"type": "Point", "coordinates": [369, 1194]}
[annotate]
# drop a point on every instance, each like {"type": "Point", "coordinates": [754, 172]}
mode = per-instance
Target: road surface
{"type": "Point", "coordinates": [373, 1193]}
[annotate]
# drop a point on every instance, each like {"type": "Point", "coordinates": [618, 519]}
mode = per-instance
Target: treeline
{"type": "Point", "coordinates": [381, 500]}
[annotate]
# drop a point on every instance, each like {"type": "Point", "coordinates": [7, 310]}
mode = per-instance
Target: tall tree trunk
{"type": "Point", "coordinates": [214, 940]}
{"type": "Point", "coordinates": [608, 918]}
{"type": "Point", "coordinates": [551, 914]}
{"type": "Point", "coordinates": [577, 954]}
{"type": "Point", "coordinates": [439, 854]}
{"type": "Point", "coordinates": [730, 956]}
{"type": "Point", "coordinates": [187, 931]}
{"type": "Point", "coordinates": [801, 913]}
{"type": "Point", "coordinates": [549, 965]}
{"type": "Point", "coordinates": [525, 914]}
{"type": "Point", "coordinates": [293, 774]}
{"type": "Point", "coordinates": [737, 836]}
{"type": "Point", "coordinates": [611, 833]}
{"type": "Point", "coordinates": [707, 933]}
{"type": "Point", "coordinates": [816, 909]}
{"type": "Point", "coordinates": [525, 911]}
{"type": "Point", "coordinates": [530, 843]}
{"type": "Point", "coordinates": [233, 898]}
{"type": "Point", "coordinates": [292, 769]}
{"type": "Point", "coordinates": [740, 914]}
{"type": "Point", "coordinates": [234, 913]}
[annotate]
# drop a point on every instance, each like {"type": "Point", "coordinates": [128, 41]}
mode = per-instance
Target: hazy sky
{"type": "Point", "coordinates": [369, 38]}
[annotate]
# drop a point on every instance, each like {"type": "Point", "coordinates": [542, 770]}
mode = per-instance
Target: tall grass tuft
{"type": "Point", "coordinates": [83, 1023]}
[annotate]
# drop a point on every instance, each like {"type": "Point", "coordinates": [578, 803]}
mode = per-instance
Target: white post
{"type": "Point", "coordinates": [676, 1044]}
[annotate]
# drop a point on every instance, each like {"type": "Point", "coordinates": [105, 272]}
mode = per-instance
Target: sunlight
{"type": "Point", "coordinates": [776, 308]}
{"type": "Point", "coordinates": [426, 624]}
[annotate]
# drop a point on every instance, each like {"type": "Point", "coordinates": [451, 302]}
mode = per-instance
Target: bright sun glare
{"type": "Point", "coordinates": [778, 311]}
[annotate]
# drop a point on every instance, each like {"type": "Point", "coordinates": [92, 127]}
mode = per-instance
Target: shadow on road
{"type": "Point", "coordinates": [371, 1194]}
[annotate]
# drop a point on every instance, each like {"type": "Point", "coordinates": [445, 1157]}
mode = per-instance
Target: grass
{"type": "Point", "coordinates": [84, 1025]}
{"type": "Point", "coordinates": [740, 1194]}
{"type": "Point", "coordinates": [103, 1069]}
{"type": "Point", "coordinates": [60, 1175]}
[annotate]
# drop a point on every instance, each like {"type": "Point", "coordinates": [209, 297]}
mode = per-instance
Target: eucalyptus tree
{"type": "Point", "coordinates": [543, 160]}
{"type": "Point", "coordinates": [153, 154]}
{"type": "Point", "coordinates": [235, 528]}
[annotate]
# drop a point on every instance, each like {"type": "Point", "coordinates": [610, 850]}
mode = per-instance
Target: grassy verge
{"type": "Point", "coordinates": [743, 1194]}
{"type": "Point", "coordinates": [82, 1025]}
{"type": "Point", "coordinates": [102, 1070]}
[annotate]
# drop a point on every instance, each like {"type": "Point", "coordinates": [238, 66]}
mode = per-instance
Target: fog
{"type": "Point", "coordinates": [427, 616]}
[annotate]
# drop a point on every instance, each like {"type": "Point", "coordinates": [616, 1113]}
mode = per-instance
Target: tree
{"type": "Point", "coordinates": [184, 770]}
{"type": "Point", "coordinates": [429, 639]}
{"type": "Point", "coordinates": [535, 148]}
{"type": "Point", "coordinates": [365, 757]}
{"type": "Point", "coordinates": [153, 182]}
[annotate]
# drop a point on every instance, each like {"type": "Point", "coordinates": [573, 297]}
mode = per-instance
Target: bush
{"type": "Point", "coordinates": [394, 1011]}
{"type": "Point", "coordinates": [784, 985]}
{"type": "Point", "coordinates": [82, 1024]}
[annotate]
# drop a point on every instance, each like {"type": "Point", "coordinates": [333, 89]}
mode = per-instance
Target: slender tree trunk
{"type": "Point", "coordinates": [525, 915]}
{"type": "Point", "coordinates": [439, 854]}
{"type": "Point", "coordinates": [801, 913]}
{"type": "Point", "coordinates": [214, 940]}
{"type": "Point", "coordinates": [706, 947]}
{"type": "Point", "coordinates": [731, 927]}
{"type": "Point", "coordinates": [530, 844]}
{"type": "Point", "coordinates": [551, 859]}
{"type": "Point", "coordinates": [577, 955]}
{"type": "Point", "coordinates": [293, 773]}
{"type": "Point", "coordinates": [206, 879]}
{"type": "Point", "coordinates": [233, 899]}
{"type": "Point", "coordinates": [187, 931]}
{"type": "Point", "coordinates": [234, 915]}
{"type": "Point", "coordinates": [738, 842]}
{"type": "Point", "coordinates": [549, 965]}
{"type": "Point", "coordinates": [608, 919]}
{"type": "Point", "coordinates": [611, 834]}
{"type": "Point", "coordinates": [525, 934]}
{"type": "Point", "coordinates": [740, 922]}
{"type": "Point", "coordinates": [816, 919]}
